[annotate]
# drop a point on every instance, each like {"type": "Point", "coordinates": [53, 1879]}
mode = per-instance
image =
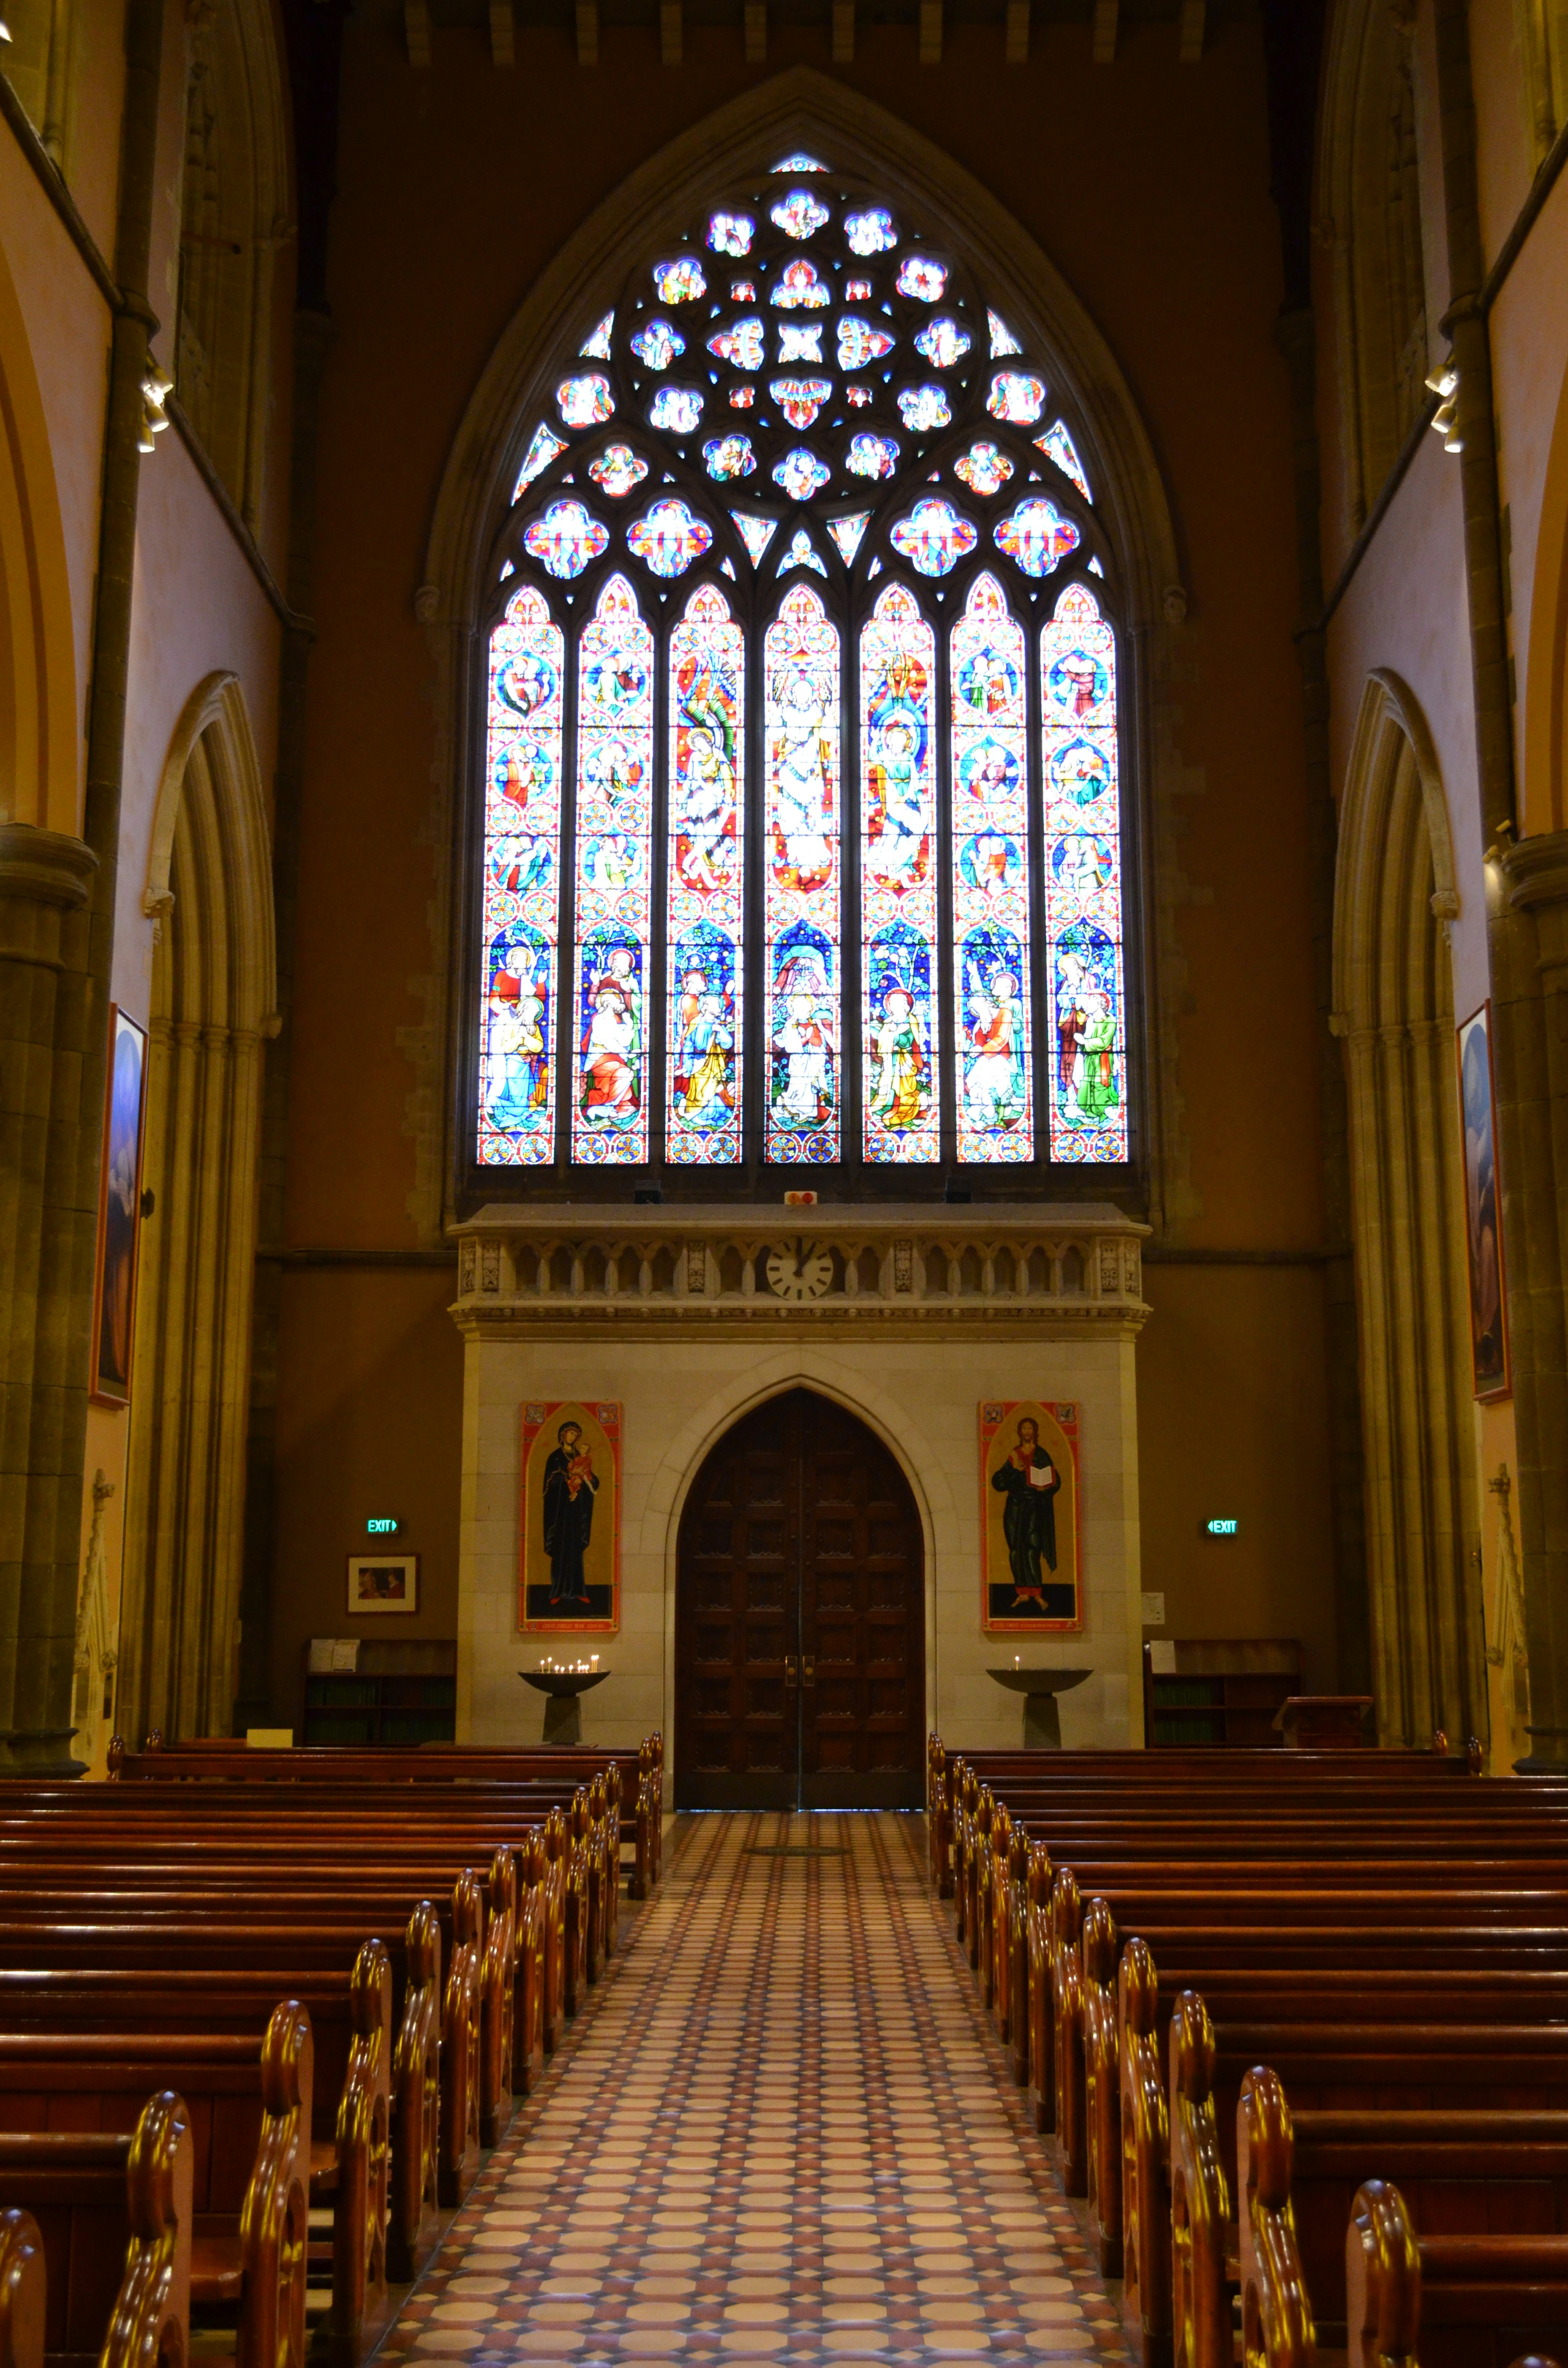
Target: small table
{"type": "Point", "coordinates": [1040, 1688]}
{"type": "Point", "coordinates": [1322, 1722]}
{"type": "Point", "coordinates": [562, 1709]}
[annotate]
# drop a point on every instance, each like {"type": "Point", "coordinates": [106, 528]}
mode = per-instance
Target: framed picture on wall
{"type": "Point", "coordinates": [382, 1583]}
{"type": "Point", "coordinates": [570, 1579]}
{"type": "Point", "coordinates": [119, 1210]}
{"type": "Point", "coordinates": [1029, 1569]}
{"type": "Point", "coordinates": [1482, 1207]}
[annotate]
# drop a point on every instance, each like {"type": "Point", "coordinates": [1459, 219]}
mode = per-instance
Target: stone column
{"type": "Point", "coordinates": [45, 879]}
{"type": "Point", "coordinates": [1530, 936]}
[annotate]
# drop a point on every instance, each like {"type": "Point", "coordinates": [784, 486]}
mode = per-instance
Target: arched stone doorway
{"type": "Point", "coordinates": [800, 1619]}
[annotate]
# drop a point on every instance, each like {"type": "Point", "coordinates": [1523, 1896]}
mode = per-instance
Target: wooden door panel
{"type": "Point", "coordinates": [799, 1549]}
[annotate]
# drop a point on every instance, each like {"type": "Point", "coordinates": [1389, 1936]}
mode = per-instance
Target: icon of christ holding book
{"type": "Point", "coordinates": [1029, 1481]}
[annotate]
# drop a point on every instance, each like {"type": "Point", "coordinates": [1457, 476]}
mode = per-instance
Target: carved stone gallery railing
{"type": "Point", "coordinates": [1044, 1267]}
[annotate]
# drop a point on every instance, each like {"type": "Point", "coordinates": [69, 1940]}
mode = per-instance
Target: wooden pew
{"type": "Point", "coordinates": [1458, 2301]}
{"type": "Point", "coordinates": [96, 2268]}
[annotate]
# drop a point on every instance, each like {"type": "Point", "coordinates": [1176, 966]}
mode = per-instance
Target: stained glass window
{"type": "Point", "coordinates": [522, 887]}
{"type": "Point", "coordinates": [986, 674]}
{"type": "Point", "coordinates": [802, 817]}
{"type": "Point", "coordinates": [615, 810]}
{"type": "Point", "coordinates": [706, 872]}
{"type": "Point", "coordinates": [1083, 882]}
{"type": "Point", "coordinates": [898, 882]}
{"type": "Point", "coordinates": [801, 882]}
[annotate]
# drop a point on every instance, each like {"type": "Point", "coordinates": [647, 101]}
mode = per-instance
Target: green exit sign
{"type": "Point", "coordinates": [382, 1525]}
{"type": "Point", "coordinates": [1220, 1525]}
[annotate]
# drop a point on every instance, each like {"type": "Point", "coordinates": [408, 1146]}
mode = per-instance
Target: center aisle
{"type": "Point", "coordinates": [780, 2131]}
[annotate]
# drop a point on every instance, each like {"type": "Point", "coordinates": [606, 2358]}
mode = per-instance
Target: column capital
{"type": "Point", "coordinates": [1537, 869]}
{"type": "Point", "coordinates": [45, 867]}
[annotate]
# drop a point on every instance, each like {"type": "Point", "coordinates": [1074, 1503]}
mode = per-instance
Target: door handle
{"type": "Point", "coordinates": [790, 1669]}
{"type": "Point", "coordinates": [808, 1669]}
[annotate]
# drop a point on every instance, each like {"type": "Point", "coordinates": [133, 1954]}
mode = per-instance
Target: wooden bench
{"type": "Point", "coordinates": [1465, 2300]}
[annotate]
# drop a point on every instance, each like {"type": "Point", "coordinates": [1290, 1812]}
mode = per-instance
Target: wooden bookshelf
{"type": "Point", "coordinates": [1222, 1691]}
{"type": "Point", "coordinates": [397, 1693]}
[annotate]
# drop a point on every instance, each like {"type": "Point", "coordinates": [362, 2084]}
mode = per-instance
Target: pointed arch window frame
{"type": "Point", "coordinates": [882, 1180]}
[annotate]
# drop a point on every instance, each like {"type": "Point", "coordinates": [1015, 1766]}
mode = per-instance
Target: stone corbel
{"type": "Point", "coordinates": [157, 904]}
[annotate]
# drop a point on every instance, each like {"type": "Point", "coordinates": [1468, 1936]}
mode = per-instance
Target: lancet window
{"type": "Point", "coordinates": [803, 841]}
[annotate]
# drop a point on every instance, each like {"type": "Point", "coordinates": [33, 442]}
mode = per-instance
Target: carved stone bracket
{"type": "Point", "coordinates": [1063, 1270]}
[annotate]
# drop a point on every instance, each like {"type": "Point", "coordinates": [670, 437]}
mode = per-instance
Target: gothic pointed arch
{"type": "Point", "coordinates": [209, 894]}
{"type": "Point", "coordinates": [878, 375]}
{"type": "Point", "coordinates": [1393, 1006]}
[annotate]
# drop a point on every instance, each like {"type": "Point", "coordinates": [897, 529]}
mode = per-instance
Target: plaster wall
{"type": "Point", "coordinates": [921, 1396]}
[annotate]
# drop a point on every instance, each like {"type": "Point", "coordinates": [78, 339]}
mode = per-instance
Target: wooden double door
{"type": "Point", "coordinates": [800, 1619]}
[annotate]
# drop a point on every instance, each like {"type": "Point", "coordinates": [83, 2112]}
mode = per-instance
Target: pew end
{"type": "Point", "coordinates": [23, 2291]}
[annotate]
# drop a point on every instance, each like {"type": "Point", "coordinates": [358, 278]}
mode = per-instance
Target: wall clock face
{"type": "Point", "coordinates": [800, 1272]}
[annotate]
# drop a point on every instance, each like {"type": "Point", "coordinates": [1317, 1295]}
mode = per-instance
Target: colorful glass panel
{"type": "Point", "coordinates": [942, 342]}
{"type": "Point", "coordinates": [857, 291]}
{"type": "Point", "coordinates": [731, 233]}
{"type": "Point", "coordinates": [615, 783]}
{"type": "Point", "coordinates": [597, 348]}
{"type": "Point", "coordinates": [521, 894]}
{"type": "Point", "coordinates": [920, 278]}
{"type": "Point", "coordinates": [799, 215]}
{"type": "Point", "coordinates": [565, 540]}
{"type": "Point", "coordinates": [846, 533]}
{"type": "Point", "coordinates": [800, 341]}
{"type": "Point", "coordinates": [541, 452]}
{"type": "Point", "coordinates": [757, 534]}
{"type": "Point", "coordinates": [799, 163]}
{"type": "Point", "coordinates": [801, 883]}
{"type": "Point", "coordinates": [1083, 882]}
{"type": "Point", "coordinates": [584, 402]}
{"type": "Point", "coordinates": [656, 345]}
{"type": "Point", "coordinates": [872, 232]}
{"type": "Point", "coordinates": [705, 905]}
{"type": "Point", "coordinates": [871, 456]}
{"type": "Point", "coordinates": [859, 343]}
{"type": "Point", "coordinates": [1036, 536]}
{"type": "Point", "coordinates": [1002, 338]}
{"type": "Point", "coordinates": [989, 870]}
{"type": "Point", "coordinates": [679, 407]}
{"type": "Point", "coordinates": [859, 397]}
{"type": "Point", "coordinates": [1015, 396]}
{"type": "Point", "coordinates": [800, 399]}
{"type": "Point", "coordinates": [742, 397]}
{"type": "Point", "coordinates": [801, 473]}
{"type": "Point", "coordinates": [921, 408]}
{"type": "Point", "coordinates": [800, 288]}
{"type": "Point", "coordinates": [1058, 446]}
{"type": "Point", "coordinates": [740, 345]}
{"type": "Point", "coordinates": [619, 470]}
{"type": "Point", "coordinates": [668, 537]}
{"type": "Point", "coordinates": [680, 282]}
{"type": "Point", "coordinates": [983, 469]}
{"type": "Point", "coordinates": [729, 456]}
{"type": "Point", "coordinates": [800, 554]}
{"type": "Point", "coordinates": [898, 882]}
{"type": "Point", "coordinates": [934, 537]}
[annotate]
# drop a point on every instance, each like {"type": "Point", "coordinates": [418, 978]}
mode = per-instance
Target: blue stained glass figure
{"type": "Point", "coordinates": [800, 881]}
{"type": "Point", "coordinates": [872, 232]}
{"type": "Point", "coordinates": [707, 807]}
{"type": "Point", "coordinates": [615, 771]}
{"type": "Point", "coordinates": [991, 916]}
{"type": "Point", "coordinates": [521, 893]}
{"type": "Point", "coordinates": [898, 882]}
{"type": "Point", "coordinates": [1082, 883]}
{"type": "Point", "coordinates": [656, 345]}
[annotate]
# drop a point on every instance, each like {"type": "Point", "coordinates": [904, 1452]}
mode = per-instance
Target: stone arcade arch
{"type": "Point", "coordinates": [210, 891]}
{"type": "Point", "coordinates": [1393, 1006]}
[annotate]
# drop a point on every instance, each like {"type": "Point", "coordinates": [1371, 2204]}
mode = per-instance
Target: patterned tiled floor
{"type": "Point", "coordinates": [780, 2131]}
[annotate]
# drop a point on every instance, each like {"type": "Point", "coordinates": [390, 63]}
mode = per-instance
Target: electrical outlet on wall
{"type": "Point", "coordinates": [1153, 1610]}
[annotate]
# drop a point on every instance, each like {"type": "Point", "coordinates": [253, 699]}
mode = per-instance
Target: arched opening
{"type": "Point", "coordinates": [231, 224]}
{"type": "Point", "coordinates": [1393, 993]}
{"type": "Point", "coordinates": [211, 1012]}
{"type": "Point", "coordinates": [800, 1618]}
{"type": "Point", "coordinates": [1373, 204]}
